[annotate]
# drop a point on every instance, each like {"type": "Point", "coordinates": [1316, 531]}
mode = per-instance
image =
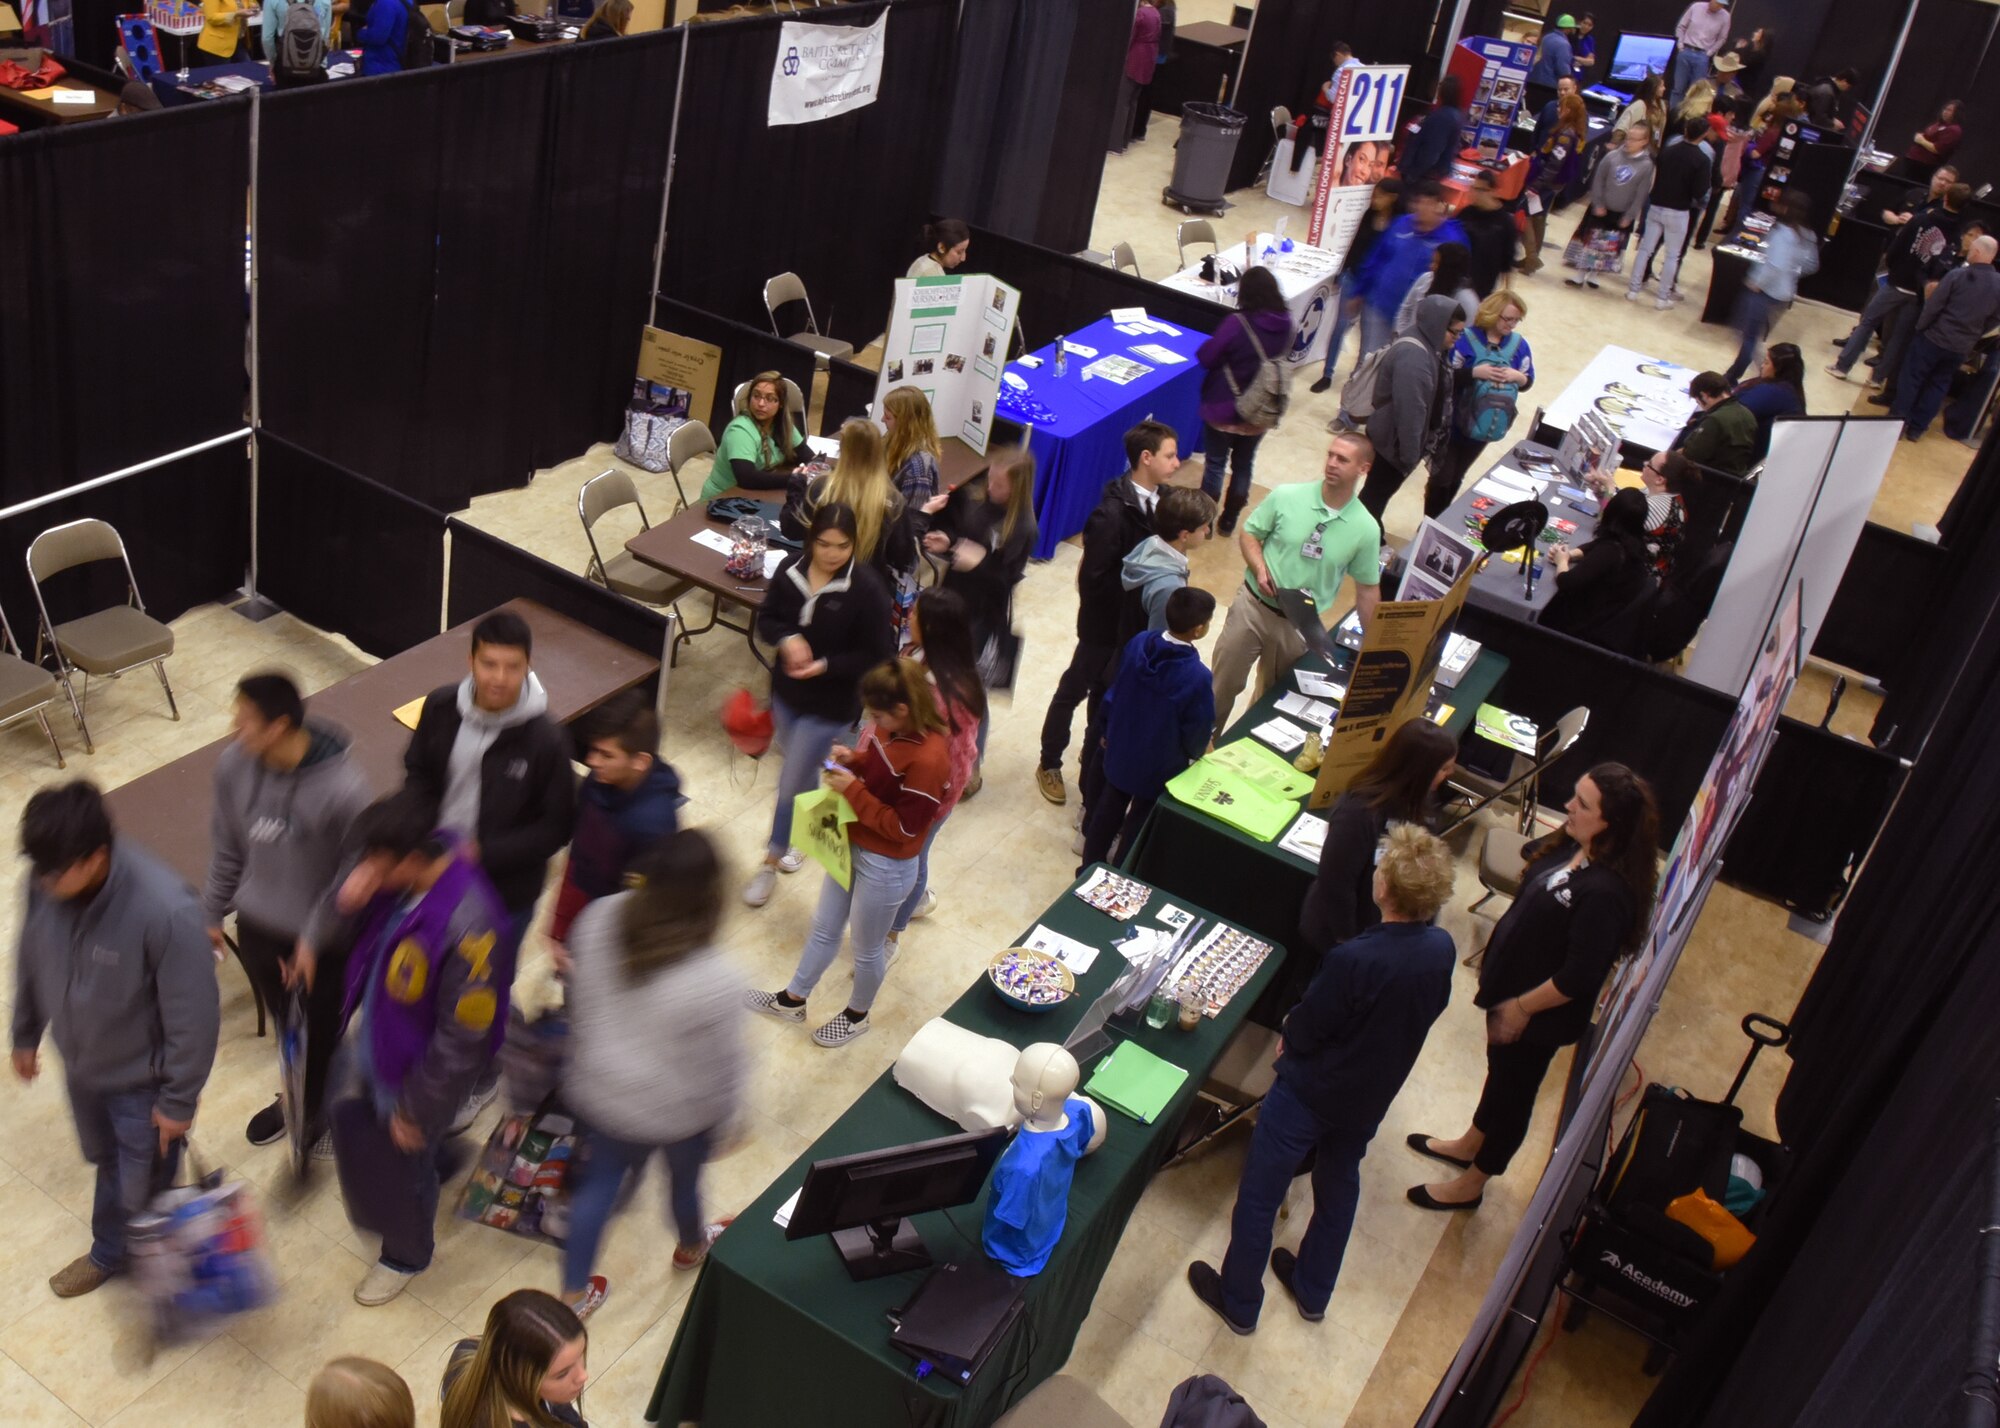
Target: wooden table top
{"type": "Point", "coordinates": [1211, 32]}
{"type": "Point", "coordinates": [957, 462]}
{"type": "Point", "coordinates": [670, 546]}
{"type": "Point", "coordinates": [102, 105]}
{"type": "Point", "coordinates": [167, 810]}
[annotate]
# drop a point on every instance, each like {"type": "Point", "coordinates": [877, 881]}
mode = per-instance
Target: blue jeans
{"type": "Point", "coordinates": [864, 911]}
{"type": "Point", "coordinates": [1378, 329]}
{"type": "Point", "coordinates": [909, 908]}
{"type": "Point", "coordinates": [1920, 391]}
{"type": "Point", "coordinates": [1756, 314]}
{"type": "Point", "coordinates": [601, 1177]}
{"type": "Point", "coordinates": [1883, 311]}
{"type": "Point", "coordinates": [1689, 65]}
{"type": "Point", "coordinates": [1334, 342]}
{"type": "Point", "coordinates": [1287, 1133]}
{"type": "Point", "coordinates": [115, 1130]}
{"type": "Point", "coordinates": [805, 739]}
{"type": "Point", "coordinates": [1217, 449]}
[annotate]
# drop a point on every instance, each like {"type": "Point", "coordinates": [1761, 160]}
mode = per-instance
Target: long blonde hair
{"type": "Point", "coordinates": [359, 1393]}
{"type": "Point", "coordinates": [1699, 101]}
{"type": "Point", "coordinates": [860, 480]}
{"type": "Point", "coordinates": [525, 1330]}
{"type": "Point", "coordinates": [1781, 86]}
{"type": "Point", "coordinates": [1019, 463]}
{"type": "Point", "coordinates": [915, 429]}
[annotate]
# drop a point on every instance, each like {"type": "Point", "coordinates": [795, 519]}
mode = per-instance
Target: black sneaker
{"type": "Point", "coordinates": [1283, 1263]}
{"type": "Point", "coordinates": [1227, 525]}
{"type": "Point", "coordinates": [1323, 384]}
{"type": "Point", "coordinates": [267, 1127]}
{"type": "Point", "coordinates": [1879, 399]}
{"type": "Point", "coordinates": [1207, 1286]}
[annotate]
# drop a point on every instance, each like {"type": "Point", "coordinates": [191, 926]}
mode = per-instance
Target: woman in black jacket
{"type": "Point", "coordinates": [1397, 787]}
{"type": "Point", "coordinates": [1583, 905]}
{"type": "Point", "coordinates": [1601, 589]}
{"type": "Point", "coordinates": [830, 618]}
{"type": "Point", "coordinates": [985, 530]}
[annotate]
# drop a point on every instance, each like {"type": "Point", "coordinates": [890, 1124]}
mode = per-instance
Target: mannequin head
{"type": "Point", "coordinates": [1045, 1075]}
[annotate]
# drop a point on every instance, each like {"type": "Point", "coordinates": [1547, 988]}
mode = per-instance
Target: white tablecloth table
{"type": "Point", "coordinates": [1308, 277]}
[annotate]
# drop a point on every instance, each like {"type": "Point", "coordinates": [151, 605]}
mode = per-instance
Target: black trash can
{"type": "Point", "coordinates": [1209, 133]}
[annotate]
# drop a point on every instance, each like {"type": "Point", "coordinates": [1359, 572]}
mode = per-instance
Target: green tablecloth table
{"type": "Point", "coordinates": [775, 1333]}
{"type": "Point", "coordinates": [1256, 885]}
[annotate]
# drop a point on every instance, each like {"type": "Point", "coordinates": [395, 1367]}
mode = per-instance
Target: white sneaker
{"type": "Point", "coordinates": [1833, 370]}
{"type": "Point", "coordinates": [1632, 295]}
{"type": "Point", "coordinates": [841, 1030]}
{"type": "Point", "coordinates": [762, 884]}
{"type": "Point", "coordinates": [1076, 843]}
{"type": "Point", "coordinates": [768, 1003]}
{"type": "Point", "coordinates": [381, 1284]}
{"type": "Point", "coordinates": [1662, 304]}
{"type": "Point", "coordinates": [927, 904]}
{"type": "Point", "coordinates": [792, 861]}
{"type": "Point", "coordinates": [892, 948]}
{"type": "Point", "coordinates": [1076, 818]}
{"type": "Point", "coordinates": [468, 1110]}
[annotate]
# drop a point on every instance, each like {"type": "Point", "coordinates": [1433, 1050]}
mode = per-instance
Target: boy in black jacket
{"type": "Point", "coordinates": [1123, 519]}
{"type": "Point", "coordinates": [495, 769]}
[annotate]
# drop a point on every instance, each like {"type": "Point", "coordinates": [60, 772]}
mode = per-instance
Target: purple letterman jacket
{"type": "Point", "coordinates": [432, 984]}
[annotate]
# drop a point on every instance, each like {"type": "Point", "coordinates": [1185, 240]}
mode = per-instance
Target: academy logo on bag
{"type": "Point", "coordinates": [1646, 1281]}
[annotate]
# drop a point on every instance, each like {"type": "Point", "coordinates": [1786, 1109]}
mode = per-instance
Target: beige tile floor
{"type": "Point", "coordinates": [1412, 1279]}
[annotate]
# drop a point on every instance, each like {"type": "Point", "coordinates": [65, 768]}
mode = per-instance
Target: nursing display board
{"type": "Point", "coordinates": [1643, 399]}
{"type": "Point", "coordinates": [948, 338]}
{"type": "Point", "coordinates": [1360, 135]}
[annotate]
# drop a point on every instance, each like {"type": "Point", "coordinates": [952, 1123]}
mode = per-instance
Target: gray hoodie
{"type": "Point", "coordinates": [1155, 570]}
{"type": "Point", "coordinates": [1621, 183]}
{"type": "Point", "coordinates": [656, 1062]}
{"type": "Point", "coordinates": [477, 729]}
{"type": "Point", "coordinates": [126, 981]}
{"type": "Point", "coordinates": [277, 834]}
{"type": "Point", "coordinates": [1412, 388]}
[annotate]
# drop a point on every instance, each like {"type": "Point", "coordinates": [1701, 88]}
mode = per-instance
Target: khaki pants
{"type": "Point", "coordinates": [1253, 634]}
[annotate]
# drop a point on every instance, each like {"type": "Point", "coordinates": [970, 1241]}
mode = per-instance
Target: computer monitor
{"type": "Point", "coordinates": [1636, 57]}
{"type": "Point", "coordinates": [864, 1200]}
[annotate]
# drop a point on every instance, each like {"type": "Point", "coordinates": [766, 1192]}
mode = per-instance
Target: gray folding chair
{"type": "Point", "coordinates": [26, 689]}
{"type": "Point", "coordinates": [1195, 230]}
{"type": "Point", "coordinates": [1237, 1084]}
{"type": "Point", "coordinates": [1474, 791]}
{"type": "Point", "coordinates": [107, 643]}
{"type": "Point", "coordinates": [624, 574]}
{"type": "Point", "coordinates": [689, 440]}
{"type": "Point", "coordinates": [1123, 261]}
{"type": "Point", "coordinates": [785, 288]}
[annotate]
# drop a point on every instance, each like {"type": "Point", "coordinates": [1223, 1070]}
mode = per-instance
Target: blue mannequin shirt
{"type": "Point", "coordinates": [1030, 1200]}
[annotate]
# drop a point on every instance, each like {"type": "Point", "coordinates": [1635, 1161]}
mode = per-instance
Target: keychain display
{"type": "Point", "coordinates": [1115, 895]}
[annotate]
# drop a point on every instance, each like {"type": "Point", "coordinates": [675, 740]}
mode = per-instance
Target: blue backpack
{"type": "Point", "coordinates": [1490, 409]}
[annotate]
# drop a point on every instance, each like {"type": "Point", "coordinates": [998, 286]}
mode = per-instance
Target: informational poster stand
{"type": "Point", "coordinates": [948, 338]}
{"type": "Point", "coordinates": [1360, 134]}
{"type": "Point", "coordinates": [677, 374]}
{"type": "Point", "coordinates": [1494, 74]}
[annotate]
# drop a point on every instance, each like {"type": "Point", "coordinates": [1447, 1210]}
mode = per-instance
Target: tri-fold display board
{"type": "Point", "coordinates": [948, 338]}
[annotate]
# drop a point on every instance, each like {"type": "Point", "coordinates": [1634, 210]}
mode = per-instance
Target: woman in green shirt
{"type": "Point", "coordinates": [759, 447]}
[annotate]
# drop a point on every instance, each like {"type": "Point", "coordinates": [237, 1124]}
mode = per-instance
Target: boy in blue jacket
{"type": "Point", "coordinates": [1401, 256]}
{"type": "Point", "coordinates": [1158, 716]}
{"type": "Point", "coordinates": [628, 804]}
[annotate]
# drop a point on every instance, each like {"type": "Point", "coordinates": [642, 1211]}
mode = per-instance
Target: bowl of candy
{"type": "Point", "coordinates": [1030, 981]}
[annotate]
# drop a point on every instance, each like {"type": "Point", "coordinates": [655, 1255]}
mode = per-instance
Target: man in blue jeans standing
{"type": "Point", "coordinates": [114, 960]}
{"type": "Point", "coordinates": [1347, 1049]}
{"type": "Point", "coordinates": [1959, 311]}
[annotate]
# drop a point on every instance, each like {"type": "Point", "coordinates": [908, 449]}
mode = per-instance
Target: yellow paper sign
{"type": "Point", "coordinates": [407, 715]}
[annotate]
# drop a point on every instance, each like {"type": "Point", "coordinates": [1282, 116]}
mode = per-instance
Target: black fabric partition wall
{"type": "Point", "coordinates": [1030, 115]}
{"type": "Point", "coordinates": [745, 350]}
{"type": "Point", "coordinates": [849, 390]}
{"type": "Point", "coordinates": [1060, 293]}
{"type": "Point", "coordinates": [1888, 590]}
{"type": "Point", "coordinates": [314, 517]}
{"type": "Point", "coordinates": [452, 294]}
{"type": "Point", "coordinates": [840, 201]}
{"type": "Point", "coordinates": [488, 571]}
{"type": "Point", "coordinates": [122, 309]}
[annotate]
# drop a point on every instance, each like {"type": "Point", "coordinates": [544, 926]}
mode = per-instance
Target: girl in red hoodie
{"type": "Point", "coordinates": [895, 781]}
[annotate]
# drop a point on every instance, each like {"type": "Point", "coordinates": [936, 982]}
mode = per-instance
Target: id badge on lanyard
{"type": "Point", "coordinates": [1315, 546]}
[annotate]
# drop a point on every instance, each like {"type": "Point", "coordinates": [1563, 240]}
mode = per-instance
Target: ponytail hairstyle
{"type": "Point", "coordinates": [676, 902]}
{"type": "Point", "coordinates": [502, 1384]}
{"type": "Point", "coordinates": [903, 682]}
{"type": "Point", "coordinates": [946, 637]}
{"type": "Point", "coordinates": [944, 235]}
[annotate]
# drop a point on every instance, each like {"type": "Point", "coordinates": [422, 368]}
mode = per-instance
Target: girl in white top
{"type": "Point", "coordinates": [947, 242]}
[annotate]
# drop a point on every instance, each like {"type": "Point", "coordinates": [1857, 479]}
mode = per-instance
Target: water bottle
{"type": "Point", "coordinates": [1062, 358]}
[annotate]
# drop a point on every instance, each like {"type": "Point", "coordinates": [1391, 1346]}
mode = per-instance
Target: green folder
{"type": "Point", "coordinates": [1133, 1080]}
{"type": "Point", "coordinates": [1225, 794]}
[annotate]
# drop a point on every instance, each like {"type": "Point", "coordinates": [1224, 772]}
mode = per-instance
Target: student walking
{"type": "Point", "coordinates": [629, 802]}
{"type": "Point", "coordinates": [942, 640]}
{"type": "Point", "coordinates": [1791, 252]}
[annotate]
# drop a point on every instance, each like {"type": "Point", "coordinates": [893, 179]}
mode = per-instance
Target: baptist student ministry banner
{"type": "Point", "coordinates": [824, 70]}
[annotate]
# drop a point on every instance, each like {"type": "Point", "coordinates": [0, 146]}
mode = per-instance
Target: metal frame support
{"type": "Point", "coordinates": [667, 187]}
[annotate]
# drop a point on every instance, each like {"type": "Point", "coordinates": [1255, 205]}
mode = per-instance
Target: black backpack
{"type": "Point", "coordinates": [298, 50]}
{"type": "Point", "coordinates": [418, 52]}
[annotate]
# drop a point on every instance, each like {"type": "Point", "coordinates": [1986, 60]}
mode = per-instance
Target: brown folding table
{"type": "Point", "coordinates": [671, 546]}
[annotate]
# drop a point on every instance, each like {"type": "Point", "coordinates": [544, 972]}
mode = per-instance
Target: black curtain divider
{"type": "Point", "coordinates": [488, 571]}
{"type": "Point", "coordinates": [186, 526]}
{"type": "Point", "coordinates": [94, 27]}
{"type": "Point", "coordinates": [840, 201]}
{"type": "Point", "coordinates": [1290, 55]}
{"type": "Point", "coordinates": [1831, 1319]}
{"type": "Point", "coordinates": [314, 517]}
{"type": "Point", "coordinates": [453, 292]}
{"type": "Point", "coordinates": [746, 351]}
{"type": "Point", "coordinates": [1030, 116]}
{"type": "Point", "coordinates": [1060, 294]}
{"type": "Point", "coordinates": [122, 310]}
{"type": "Point", "coordinates": [1888, 590]}
{"type": "Point", "coordinates": [1667, 728]}
{"type": "Point", "coordinates": [849, 390]}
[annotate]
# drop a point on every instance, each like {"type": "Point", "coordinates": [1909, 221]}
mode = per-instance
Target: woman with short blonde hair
{"type": "Point", "coordinates": [1490, 366]}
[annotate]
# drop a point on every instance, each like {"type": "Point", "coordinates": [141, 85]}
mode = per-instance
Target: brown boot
{"type": "Point", "coordinates": [79, 1276]}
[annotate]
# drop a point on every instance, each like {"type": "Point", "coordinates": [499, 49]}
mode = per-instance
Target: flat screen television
{"type": "Point", "coordinates": [1636, 57]}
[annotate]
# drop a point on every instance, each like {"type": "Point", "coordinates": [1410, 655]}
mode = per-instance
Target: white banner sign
{"type": "Point", "coordinates": [1360, 136]}
{"type": "Point", "coordinates": [824, 70]}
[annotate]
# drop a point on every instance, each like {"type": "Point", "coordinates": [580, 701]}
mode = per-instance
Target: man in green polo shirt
{"type": "Point", "coordinates": [1302, 537]}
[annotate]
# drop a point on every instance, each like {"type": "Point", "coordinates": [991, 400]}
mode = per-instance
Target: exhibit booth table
{"type": "Point", "coordinates": [685, 548]}
{"type": "Point", "coordinates": [776, 1332]}
{"type": "Point", "coordinates": [1501, 584]}
{"type": "Point", "coordinates": [1259, 885]}
{"type": "Point", "coordinates": [1079, 420]}
{"type": "Point", "coordinates": [1308, 277]}
{"type": "Point", "coordinates": [173, 90]}
{"type": "Point", "coordinates": [32, 108]}
{"type": "Point", "coordinates": [1643, 399]}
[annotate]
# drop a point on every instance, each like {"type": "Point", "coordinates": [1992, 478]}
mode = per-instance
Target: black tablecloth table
{"type": "Point", "coordinates": [1732, 265]}
{"type": "Point", "coordinates": [775, 1332]}
{"type": "Point", "coordinates": [1260, 885]}
{"type": "Point", "coordinates": [172, 90]}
